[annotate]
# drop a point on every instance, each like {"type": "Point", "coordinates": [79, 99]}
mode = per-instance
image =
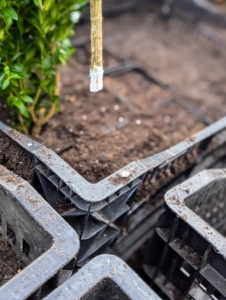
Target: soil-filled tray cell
{"type": "Point", "coordinates": [97, 134]}
{"type": "Point", "coordinates": [10, 264]}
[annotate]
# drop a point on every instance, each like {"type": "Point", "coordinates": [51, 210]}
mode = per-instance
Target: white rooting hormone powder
{"type": "Point", "coordinates": [96, 79]}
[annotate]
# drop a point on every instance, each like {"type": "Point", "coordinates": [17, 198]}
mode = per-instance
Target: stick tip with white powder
{"type": "Point", "coordinates": [96, 79]}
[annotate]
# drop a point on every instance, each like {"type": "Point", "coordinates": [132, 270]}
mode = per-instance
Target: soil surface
{"type": "Point", "coordinates": [10, 264]}
{"type": "Point", "coordinates": [135, 117]}
{"type": "Point", "coordinates": [14, 158]}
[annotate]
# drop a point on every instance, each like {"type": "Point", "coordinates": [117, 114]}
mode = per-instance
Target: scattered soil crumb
{"type": "Point", "coordinates": [16, 135]}
{"type": "Point", "coordinates": [117, 179]}
{"type": "Point", "coordinates": [191, 139]}
{"type": "Point", "coordinates": [184, 217]}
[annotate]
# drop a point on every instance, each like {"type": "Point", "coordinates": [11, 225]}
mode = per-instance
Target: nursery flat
{"type": "Point", "coordinates": [135, 116]}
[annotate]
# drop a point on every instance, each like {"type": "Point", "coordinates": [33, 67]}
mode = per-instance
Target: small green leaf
{"type": "Point", "coordinates": [20, 24]}
{"type": "Point", "coordinates": [7, 70]}
{"type": "Point", "coordinates": [22, 108]}
{"type": "Point", "coordinates": [18, 69]}
{"type": "Point", "coordinates": [5, 84]}
{"type": "Point", "coordinates": [10, 13]}
{"type": "Point", "coordinates": [16, 76]}
{"type": "Point", "coordinates": [66, 43]}
{"type": "Point", "coordinates": [14, 82]}
{"type": "Point", "coordinates": [38, 3]}
{"type": "Point", "coordinates": [56, 98]}
{"type": "Point", "coordinates": [47, 62]}
{"type": "Point", "coordinates": [15, 56]}
{"type": "Point", "coordinates": [2, 3]}
{"type": "Point", "coordinates": [2, 77]}
{"type": "Point", "coordinates": [2, 34]}
{"type": "Point", "coordinates": [8, 21]}
{"type": "Point", "coordinates": [48, 4]}
{"type": "Point", "coordinates": [26, 98]}
{"type": "Point", "coordinates": [30, 54]}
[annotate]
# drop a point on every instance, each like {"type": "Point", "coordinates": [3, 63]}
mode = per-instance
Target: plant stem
{"type": "Point", "coordinates": [32, 107]}
{"type": "Point", "coordinates": [23, 127]}
{"type": "Point", "coordinates": [38, 124]}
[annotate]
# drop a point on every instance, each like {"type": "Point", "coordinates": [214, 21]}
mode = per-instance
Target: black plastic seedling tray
{"type": "Point", "coordinates": [43, 241]}
{"type": "Point", "coordinates": [102, 208]}
{"type": "Point", "coordinates": [104, 277]}
{"type": "Point", "coordinates": [187, 254]}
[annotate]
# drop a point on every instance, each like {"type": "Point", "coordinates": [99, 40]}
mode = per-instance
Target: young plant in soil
{"type": "Point", "coordinates": [34, 42]}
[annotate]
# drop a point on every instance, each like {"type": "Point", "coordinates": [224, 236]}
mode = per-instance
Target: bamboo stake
{"type": "Point", "coordinates": [96, 67]}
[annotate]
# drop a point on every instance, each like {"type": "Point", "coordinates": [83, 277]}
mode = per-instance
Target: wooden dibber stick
{"type": "Point", "coordinates": [96, 67]}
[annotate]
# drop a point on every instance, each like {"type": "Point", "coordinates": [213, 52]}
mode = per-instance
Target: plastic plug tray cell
{"type": "Point", "coordinates": [104, 277]}
{"type": "Point", "coordinates": [50, 242]}
{"type": "Point", "coordinates": [106, 203]}
{"type": "Point", "coordinates": [189, 253]}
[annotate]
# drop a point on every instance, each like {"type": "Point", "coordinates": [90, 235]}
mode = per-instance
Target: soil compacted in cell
{"type": "Point", "coordinates": [10, 265]}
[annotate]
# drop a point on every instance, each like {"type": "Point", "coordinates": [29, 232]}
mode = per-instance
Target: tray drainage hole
{"type": "Point", "coordinates": [204, 284]}
{"type": "Point", "coordinates": [10, 233]}
{"type": "Point", "coordinates": [185, 269]}
{"type": "Point", "coordinates": [26, 248]}
{"type": "Point", "coordinates": [216, 295]}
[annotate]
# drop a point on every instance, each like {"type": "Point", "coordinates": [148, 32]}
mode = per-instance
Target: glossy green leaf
{"type": "Point", "coordinates": [10, 13]}
{"type": "Point", "coordinates": [5, 84]}
{"type": "Point", "coordinates": [14, 82]}
{"type": "Point", "coordinates": [16, 76]}
{"type": "Point", "coordinates": [22, 108]}
{"type": "Point", "coordinates": [2, 3]}
{"type": "Point", "coordinates": [7, 70]}
{"type": "Point", "coordinates": [2, 34]}
{"type": "Point", "coordinates": [48, 4]}
{"type": "Point", "coordinates": [26, 98]}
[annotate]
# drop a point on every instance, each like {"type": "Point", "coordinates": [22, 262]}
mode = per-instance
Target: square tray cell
{"type": "Point", "coordinates": [104, 277]}
{"type": "Point", "coordinates": [41, 239]}
{"type": "Point", "coordinates": [189, 244]}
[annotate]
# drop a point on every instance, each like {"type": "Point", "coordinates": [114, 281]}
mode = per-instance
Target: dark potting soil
{"type": "Point", "coordinates": [10, 264]}
{"type": "Point", "coordinates": [63, 205]}
{"type": "Point", "coordinates": [97, 134]}
{"type": "Point", "coordinates": [14, 158]}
